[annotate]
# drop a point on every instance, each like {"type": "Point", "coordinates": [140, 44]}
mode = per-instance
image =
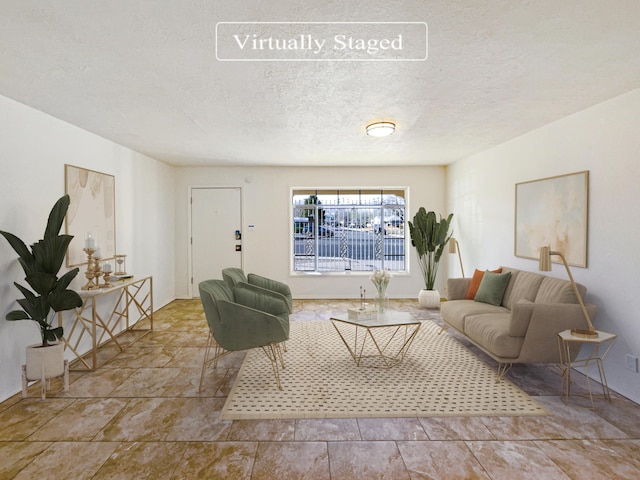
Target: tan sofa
{"type": "Point", "coordinates": [524, 327]}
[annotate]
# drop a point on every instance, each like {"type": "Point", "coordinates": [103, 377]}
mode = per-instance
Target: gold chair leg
{"type": "Point", "coordinates": [273, 352]}
{"type": "Point", "coordinates": [204, 361]}
{"type": "Point", "coordinates": [217, 354]}
{"type": "Point", "coordinates": [280, 355]}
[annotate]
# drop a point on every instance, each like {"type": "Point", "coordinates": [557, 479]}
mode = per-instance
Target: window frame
{"type": "Point", "coordinates": [305, 190]}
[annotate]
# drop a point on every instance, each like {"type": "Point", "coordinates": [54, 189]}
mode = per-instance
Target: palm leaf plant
{"type": "Point", "coordinates": [49, 293]}
{"type": "Point", "coordinates": [429, 235]}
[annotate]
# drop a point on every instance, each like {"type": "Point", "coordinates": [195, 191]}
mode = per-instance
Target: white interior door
{"type": "Point", "coordinates": [215, 218]}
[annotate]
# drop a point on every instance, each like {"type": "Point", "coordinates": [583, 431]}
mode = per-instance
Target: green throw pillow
{"type": "Point", "coordinates": [492, 287]}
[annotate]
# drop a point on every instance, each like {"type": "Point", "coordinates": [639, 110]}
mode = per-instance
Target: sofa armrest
{"type": "Point", "coordinates": [457, 288]}
{"type": "Point", "coordinates": [546, 321]}
{"type": "Point", "coordinates": [556, 316]}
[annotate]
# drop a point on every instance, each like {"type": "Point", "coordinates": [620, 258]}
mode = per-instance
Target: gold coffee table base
{"type": "Point", "coordinates": [384, 338]}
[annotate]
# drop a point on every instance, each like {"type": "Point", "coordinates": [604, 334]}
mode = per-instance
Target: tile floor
{"type": "Point", "coordinates": [139, 416]}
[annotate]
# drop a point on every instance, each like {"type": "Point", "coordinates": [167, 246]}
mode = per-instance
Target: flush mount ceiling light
{"type": "Point", "coordinates": [381, 129]}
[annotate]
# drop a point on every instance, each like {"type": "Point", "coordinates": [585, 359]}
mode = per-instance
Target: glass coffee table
{"type": "Point", "coordinates": [382, 339]}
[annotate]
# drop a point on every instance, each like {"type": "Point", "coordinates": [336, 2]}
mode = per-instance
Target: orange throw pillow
{"type": "Point", "coordinates": [475, 282]}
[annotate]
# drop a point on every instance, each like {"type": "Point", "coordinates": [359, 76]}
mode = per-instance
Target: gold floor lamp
{"type": "Point", "coordinates": [454, 247]}
{"type": "Point", "coordinates": [545, 266]}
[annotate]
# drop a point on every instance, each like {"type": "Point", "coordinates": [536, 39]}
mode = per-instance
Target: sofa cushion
{"type": "Point", "coordinates": [524, 287]}
{"type": "Point", "coordinates": [454, 312]}
{"type": "Point", "coordinates": [556, 290]}
{"type": "Point", "coordinates": [475, 282]}
{"type": "Point", "coordinates": [491, 332]}
{"type": "Point", "coordinates": [507, 293]}
{"type": "Point", "coordinates": [492, 287]}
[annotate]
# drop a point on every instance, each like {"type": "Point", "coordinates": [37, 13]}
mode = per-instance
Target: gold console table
{"type": "Point", "coordinates": [135, 298]}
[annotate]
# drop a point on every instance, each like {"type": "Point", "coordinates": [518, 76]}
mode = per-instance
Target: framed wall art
{"type": "Point", "coordinates": [92, 210]}
{"type": "Point", "coordinates": [553, 211]}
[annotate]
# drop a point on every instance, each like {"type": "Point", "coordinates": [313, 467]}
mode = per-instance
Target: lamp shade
{"type": "Point", "coordinates": [452, 245]}
{"type": "Point", "coordinates": [545, 259]}
{"type": "Point", "coordinates": [381, 129]}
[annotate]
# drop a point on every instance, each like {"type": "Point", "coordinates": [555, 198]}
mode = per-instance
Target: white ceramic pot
{"type": "Point", "coordinates": [429, 298]}
{"type": "Point", "coordinates": [51, 358]}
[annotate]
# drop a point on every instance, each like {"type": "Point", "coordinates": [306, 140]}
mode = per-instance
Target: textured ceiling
{"type": "Point", "coordinates": [144, 74]}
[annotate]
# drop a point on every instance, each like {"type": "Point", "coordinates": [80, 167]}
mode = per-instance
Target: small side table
{"type": "Point", "coordinates": [600, 346]}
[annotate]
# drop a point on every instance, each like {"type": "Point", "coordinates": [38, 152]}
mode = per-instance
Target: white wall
{"type": "Point", "coordinates": [602, 139]}
{"type": "Point", "coordinates": [266, 204]}
{"type": "Point", "coordinates": [33, 151]}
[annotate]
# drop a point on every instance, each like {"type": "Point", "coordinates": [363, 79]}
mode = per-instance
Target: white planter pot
{"type": "Point", "coordinates": [50, 358]}
{"type": "Point", "coordinates": [429, 298]}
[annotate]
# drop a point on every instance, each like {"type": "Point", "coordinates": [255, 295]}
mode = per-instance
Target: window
{"type": "Point", "coordinates": [348, 230]}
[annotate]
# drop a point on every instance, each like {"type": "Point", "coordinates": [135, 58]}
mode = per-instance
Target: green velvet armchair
{"type": "Point", "coordinates": [242, 318]}
{"type": "Point", "coordinates": [234, 276]}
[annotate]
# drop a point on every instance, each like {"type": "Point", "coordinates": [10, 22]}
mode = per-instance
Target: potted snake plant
{"type": "Point", "coordinates": [429, 235]}
{"type": "Point", "coordinates": [46, 293]}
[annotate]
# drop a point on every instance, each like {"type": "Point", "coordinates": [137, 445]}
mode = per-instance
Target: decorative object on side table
{"type": "Point", "coordinates": [94, 269]}
{"type": "Point", "coordinates": [50, 295]}
{"type": "Point", "coordinates": [90, 248]}
{"type": "Point", "coordinates": [545, 266]}
{"type": "Point", "coordinates": [121, 264]}
{"type": "Point", "coordinates": [429, 237]}
{"type": "Point", "coordinates": [106, 270]}
{"type": "Point", "coordinates": [364, 310]}
{"type": "Point", "coordinates": [380, 279]}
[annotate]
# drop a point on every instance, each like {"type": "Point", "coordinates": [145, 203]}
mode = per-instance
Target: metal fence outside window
{"type": "Point", "coordinates": [348, 230]}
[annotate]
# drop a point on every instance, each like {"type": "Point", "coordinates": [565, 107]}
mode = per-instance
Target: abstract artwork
{"type": "Point", "coordinates": [553, 211]}
{"type": "Point", "coordinates": [92, 210]}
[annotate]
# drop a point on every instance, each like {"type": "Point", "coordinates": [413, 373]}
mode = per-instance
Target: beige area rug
{"type": "Point", "coordinates": [438, 377]}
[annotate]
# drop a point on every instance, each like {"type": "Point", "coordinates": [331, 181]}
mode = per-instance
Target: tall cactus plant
{"type": "Point", "coordinates": [429, 235]}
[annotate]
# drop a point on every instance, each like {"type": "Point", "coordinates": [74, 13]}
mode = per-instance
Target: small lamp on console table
{"type": "Point", "coordinates": [545, 266]}
{"type": "Point", "coordinates": [454, 247]}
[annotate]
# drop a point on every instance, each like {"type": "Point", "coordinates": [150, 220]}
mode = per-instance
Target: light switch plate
{"type": "Point", "coordinates": [632, 363]}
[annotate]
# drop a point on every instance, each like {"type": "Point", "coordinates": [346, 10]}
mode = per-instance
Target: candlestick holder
{"type": "Point", "coordinates": [97, 271]}
{"type": "Point", "coordinates": [90, 273]}
{"type": "Point", "coordinates": [363, 296]}
{"type": "Point", "coordinates": [107, 278]}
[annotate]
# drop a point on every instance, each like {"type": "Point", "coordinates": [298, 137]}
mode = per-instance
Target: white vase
{"type": "Point", "coordinates": [50, 358]}
{"type": "Point", "coordinates": [429, 298]}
